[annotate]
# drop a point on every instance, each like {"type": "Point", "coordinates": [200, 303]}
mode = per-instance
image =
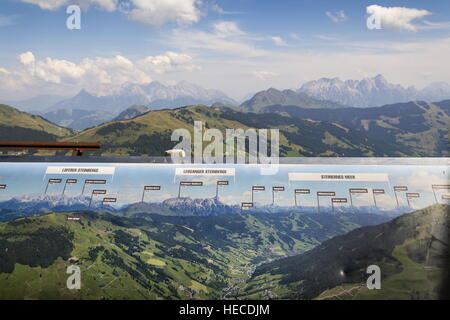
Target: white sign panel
{"type": "Point", "coordinates": [299, 176]}
{"type": "Point", "coordinates": [81, 170]}
{"type": "Point", "coordinates": [205, 171]}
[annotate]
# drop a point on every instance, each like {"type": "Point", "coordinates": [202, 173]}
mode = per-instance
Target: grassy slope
{"type": "Point", "coordinates": [150, 133]}
{"type": "Point", "coordinates": [427, 141]}
{"type": "Point", "coordinates": [399, 247]}
{"type": "Point", "coordinates": [153, 258]}
{"type": "Point", "coordinates": [421, 127]}
{"type": "Point", "coordinates": [11, 118]}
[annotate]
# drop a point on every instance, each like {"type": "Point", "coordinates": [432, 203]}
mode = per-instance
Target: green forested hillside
{"type": "Point", "coordinates": [273, 96]}
{"type": "Point", "coordinates": [423, 127]}
{"type": "Point", "coordinates": [413, 252]}
{"type": "Point", "coordinates": [409, 129]}
{"type": "Point", "coordinates": [20, 126]}
{"type": "Point", "coordinates": [152, 257]}
{"type": "Point", "coordinates": [149, 134]}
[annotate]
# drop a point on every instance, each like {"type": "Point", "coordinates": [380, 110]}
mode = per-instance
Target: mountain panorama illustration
{"type": "Point", "coordinates": [225, 156]}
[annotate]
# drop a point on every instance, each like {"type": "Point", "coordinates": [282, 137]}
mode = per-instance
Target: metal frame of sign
{"type": "Point", "coordinates": [397, 189]}
{"type": "Point", "coordinates": [323, 194]}
{"type": "Point", "coordinates": [52, 181]}
{"type": "Point", "coordinates": [276, 189]}
{"type": "Point", "coordinates": [374, 192]}
{"type": "Point", "coordinates": [300, 191]}
{"type": "Point", "coordinates": [220, 183]}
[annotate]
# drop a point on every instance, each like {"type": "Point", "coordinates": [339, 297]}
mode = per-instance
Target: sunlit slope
{"type": "Point", "coordinates": [150, 133]}
{"type": "Point", "coordinates": [18, 126]}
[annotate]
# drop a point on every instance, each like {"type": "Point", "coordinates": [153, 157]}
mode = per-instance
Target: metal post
{"type": "Point", "coordinates": [396, 198]}
{"type": "Point", "coordinates": [46, 188]}
{"type": "Point", "coordinates": [64, 189]}
{"type": "Point", "coordinates": [318, 204]}
{"type": "Point", "coordinates": [84, 186]}
{"type": "Point", "coordinates": [90, 201]}
{"type": "Point", "coordinates": [351, 199]}
{"type": "Point", "coordinates": [435, 197]}
{"type": "Point", "coordinates": [374, 200]}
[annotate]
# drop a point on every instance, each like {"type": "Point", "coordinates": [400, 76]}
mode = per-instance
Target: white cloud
{"type": "Point", "coordinates": [338, 16]}
{"type": "Point", "coordinates": [99, 75]}
{"type": "Point", "coordinates": [278, 41]}
{"type": "Point", "coordinates": [47, 4]}
{"type": "Point", "coordinates": [415, 62]}
{"type": "Point", "coordinates": [108, 5]}
{"type": "Point", "coordinates": [227, 29]}
{"type": "Point", "coordinates": [397, 18]}
{"type": "Point", "coordinates": [225, 38]}
{"type": "Point", "coordinates": [170, 61]}
{"type": "Point", "coordinates": [154, 13]}
{"type": "Point", "coordinates": [215, 8]}
{"type": "Point", "coordinates": [26, 58]}
{"type": "Point", "coordinates": [158, 12]}
{"type": "Point", "coordinates": [264, 75]}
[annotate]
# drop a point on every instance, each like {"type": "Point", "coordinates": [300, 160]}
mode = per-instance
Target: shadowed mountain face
{"type": "Point", "coordinates": [285, 98]}
{"type": "Point", "coordinates": [412, 251]}
{"type": "Point", "coordinates": [131, 112]}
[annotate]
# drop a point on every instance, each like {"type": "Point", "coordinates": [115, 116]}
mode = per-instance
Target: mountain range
{"type": "Point", "coordinates": [409, 129]}
{"type": "Point", "coordinates": [423, 126]}
{"type": "Point", "coordinates": [86, 109]}
{"type": "Point", "coordinates": [131, 112]}
{"type": "Point", "coordinates": [38, 204]}
{"type": "Point", "coordinates": [34, 204]}
{"type": "Point", "coordinates": [150, 133]}
{"type": "Point", "coordinates": [273, 96]}
{"type": "Point", "coordinates": [371, 92]}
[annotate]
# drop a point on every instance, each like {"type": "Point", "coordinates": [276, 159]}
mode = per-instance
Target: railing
{"type": "Point", "coordinates": [77, 147]}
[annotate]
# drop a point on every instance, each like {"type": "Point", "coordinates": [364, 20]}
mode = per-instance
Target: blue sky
{"type": "Point", "coordinates": [237, 46]}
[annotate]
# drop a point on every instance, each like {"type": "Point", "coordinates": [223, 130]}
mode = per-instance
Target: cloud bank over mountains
{"type": "Point", "coordinates": [99, 75]}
